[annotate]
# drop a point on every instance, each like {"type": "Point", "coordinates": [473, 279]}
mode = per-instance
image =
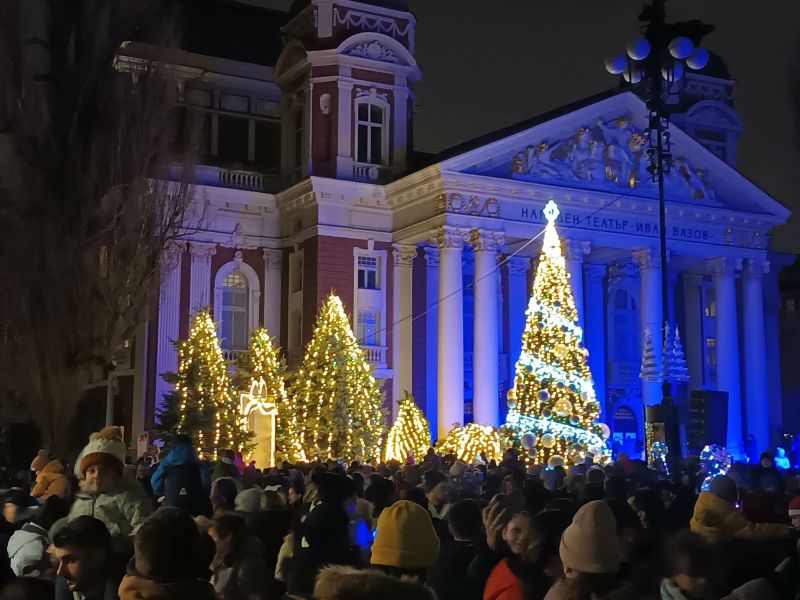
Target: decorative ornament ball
{"type": "Point", "coordinates": [548, 440]}
{"type": "Point", "coordinates": [557, 304]}
{"type": "Point", "coordinates": [573, 387]}
{"type": "Point", "coordinates": [560, 385]}
{"type": "Point", "coordinates": [512, 403]}
{"type": "Point", "coordinates": [584, 397]}
{"type": "Point", "coordinates": [561, 350]}
{"type": "Point", "coordinates": [564, 328]}
{"type": "Point", "coordinates": [555, 461]}
{"type": "Point", "coordinates": [540, 325]}
{"type": "Point", "coordinates": [512, 393]}
{"type": "Point", "coordinates": [547, 413]}
{"type": "Point", "coordinates": [528, 441]}
{"type": "Point", "coordinates": [605, 431]}
{"type": "Point", "coordinates": [574, 420]}
{"type": "Point", "coordinates": [562, 407]}
{"type": "Point", "coordinates": [544, 395]}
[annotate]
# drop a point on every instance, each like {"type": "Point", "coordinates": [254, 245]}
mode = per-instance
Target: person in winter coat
{"type": "Point", "coordinates": [446, 576]}
{"type": "Point", "coordinates": [226, 467]}
{"type": "Point", "coordinates": [117, 501]}
{"type": "Point", "coordinates": [82, 552]}
{"type": "Point", "coordinates": [27, 547]}
{"type": "Point", "coordinates": [168, 561]}
{"type": "Point", "coordinates": [50, 481]}
{"type": "Point", "coordinates": [238, 569]}
{"type": "Point", "coordinates": [347, 583]}
{"type": "Point", "coordinates": [717, 520]}
{"type": "Point", "coordinates": [182, 480]}
{"type": "Point", "coordinates": [406, 543]}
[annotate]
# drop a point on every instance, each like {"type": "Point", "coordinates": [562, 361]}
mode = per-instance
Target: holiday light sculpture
{"type": "Point", "coordinates": [259, 415]}
{"type": "Point", "coordinates": [263, 364]}
{"type": "Point", "coordinates": [208, 409]}
{"type": "Point", "coordinates": [553, 401]}
{"type": "Point", "coordinates": [469, 442]}
{"type": "Point", "coordinates": [410, 434]}
{"type": "Point", "coordinates": [339, 405]}
{"type": "Point", "coordinates": [714, 460]}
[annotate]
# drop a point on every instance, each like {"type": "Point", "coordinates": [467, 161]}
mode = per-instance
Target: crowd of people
{"type": "Point", "coordinates": [431, 528]}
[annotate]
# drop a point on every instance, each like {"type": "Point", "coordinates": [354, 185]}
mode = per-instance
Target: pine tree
{"type": "Point", "coordinates": [263, 362]}
{"type": "Point", "coordinates": [409, 434]}
{"type": "Point", "coordinates": [553, 396]}
{"type": "Point", "coordinates": [207, 408]}
{"type": "Point", "coordinates": [338, 402]}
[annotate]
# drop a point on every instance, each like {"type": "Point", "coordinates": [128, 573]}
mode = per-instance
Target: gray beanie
{"type": "Point", "coordinates": [724, 487]}
{"type": "Point", "coordinates": [250, 500]}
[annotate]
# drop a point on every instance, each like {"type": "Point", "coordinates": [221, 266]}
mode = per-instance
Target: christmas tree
{"type": "Point", "coordinates": [207, 408]}
{"type": "Point", "coordinates": [262, 363]}
{"type": "Point", "coordinates": [339, 406]}
{"type": "Point", "coordinates": [553, 405]}
{"type": "Point", "coordinates": [649, 371]}
{"type": "Point", "coordinates": [409, 434]}
{"type": "Point", "coordinates": [469, 442]}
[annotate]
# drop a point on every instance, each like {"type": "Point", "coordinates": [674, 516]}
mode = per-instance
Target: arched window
{"type": "Point", "coordinates": [237, 301]}
{"type": "Point", "coordinates": [625, 430]}
{"type": "Point", "coordinates": [233, 323]}
{"type": "Point", "coordinates": [370, 133]}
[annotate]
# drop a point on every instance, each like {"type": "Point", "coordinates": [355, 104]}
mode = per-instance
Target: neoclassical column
{"type": "Point", "coordinates": [273, 265]}
{"type": "Point", "coordinates": [404, 255]}
{"type": "Point", "coordinates": [574, 251]}
{"type": "Point", "coordinates": [485, 403]}
{"type": "Point", "coordinates": [432, 334]}
{"type": "Point", "coordinates": [168, 317]}
{"type": "Point", "coordinates": [651, 315]}
{"type": "Point", "coordinates": [723, 270]}
{"type": "Point", "coordinates": [772, 314]}
{"type": "Point", "coordinates": [693, 335]}
{"type": "Point", "coordinates": [450, 241]}
{"type": "Point", "coordinates": [755, 352]}
{"type": "Point", "coordinates": [594, 333]}
{"type": "Point", "coordinates": [517, 304]}
{"type": "Point", "coordinates": [200, 281]}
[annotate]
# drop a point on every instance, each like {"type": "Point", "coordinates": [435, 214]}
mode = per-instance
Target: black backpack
{"type": "Point", "coordinates": [183, 488]}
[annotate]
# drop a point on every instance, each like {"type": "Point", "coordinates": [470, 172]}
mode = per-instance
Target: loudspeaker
{"type": "Point", "coordinates": [708, 420]}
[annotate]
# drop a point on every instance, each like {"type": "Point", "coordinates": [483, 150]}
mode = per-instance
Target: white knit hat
{"type": "Point", "coordinates": [106, 443]}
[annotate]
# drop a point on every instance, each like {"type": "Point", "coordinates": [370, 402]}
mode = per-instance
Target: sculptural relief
{"type": "Point", "coordinates": [607, 154]}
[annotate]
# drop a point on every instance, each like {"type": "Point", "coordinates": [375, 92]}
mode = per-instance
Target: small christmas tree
{"type": "Point", "coordinates": [207, 408]}
{"type": "Point", "coordinates": [262, 362]}
{"type": "Point", "coordinates": [339, 406]}
{"type": "Point", "coordinates": [674, 360]}
{"type": "Point", "coordinates": [649, 370]}
{"type": "Point", "coordinates": [469, 442]}
{"type": "Point", "coordinates": [553, 388]}
{"type": "Point", "coordinates": [409, 434]}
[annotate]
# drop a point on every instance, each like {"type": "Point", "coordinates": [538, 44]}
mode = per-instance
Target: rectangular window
{"type": "Point", "coordinates": [368, 328]}
{"type": "Point", "coordinates": [711, 351]}
{"type": "Point", "coordinates": [268, 144]}
{"type": "Point", "coordinates": [368, 273]}
{"type": "Point", "coordinates": [369, 130]}
{"type": "Point", "coordinates": [234, 136]}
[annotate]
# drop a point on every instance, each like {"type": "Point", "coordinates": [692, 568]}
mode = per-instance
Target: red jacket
{"type": "Point", "coordinates": [502, 584]}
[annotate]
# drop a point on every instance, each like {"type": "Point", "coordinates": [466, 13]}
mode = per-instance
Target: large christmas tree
{"type": "Point", "coordinates": [410, 433]}
{"type": "Point", "coordinates": [553, 405]}
{"type": "Point", "coordinates": [207, 408]}
{"type": "Point", "coordinates": [263, 363]}
{"type": "Point", "coordinates": [338, 402]}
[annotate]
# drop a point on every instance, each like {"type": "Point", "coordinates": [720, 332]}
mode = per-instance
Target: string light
{"type": "Point", "coordinates": [553, 406]}
{"type": "Point", "coordinates": [410, 434]}
{"type": "Point", "coordinates": [208, 408]}
{"type": "Point", "coordinates": [468, 443]}
{"type": "Point", "coordinates": [337, 404]}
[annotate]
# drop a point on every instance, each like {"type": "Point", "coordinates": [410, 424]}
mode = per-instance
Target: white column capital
{"type": "Point", "coordinates": [483, 240]}
{"type": "Point", "coordinates": [432, 257]}
{"type": "Point", "coordinates": [755, 268]}
{"type": "Point", "coordinates": [518, 265]}
{"type": "Point", "coordinates": [273, 259]}
{"type": "Point", "coordinates": [448, 237]}
{"type": "Point", "coordinates": [575, 249]}
{"type": "Point", "coordinates": [648, 258]}
{"type": "Point", "coordinates": [404, 254]}
{"type": "Point", "coordinates": [692, 280]}
{"type": "Point", "coordinates": [171, 254]}
{"type": "Point", "coordinates": [723, 266]}
{"type": "Point", "coordinates": [202, 251]}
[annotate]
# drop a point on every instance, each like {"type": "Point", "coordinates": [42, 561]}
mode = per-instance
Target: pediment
{"type": "Point", "coordinates": [603, 146]}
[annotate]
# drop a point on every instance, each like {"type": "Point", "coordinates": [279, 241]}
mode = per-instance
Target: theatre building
{"type": "Point", "coordinates": [312, 185]}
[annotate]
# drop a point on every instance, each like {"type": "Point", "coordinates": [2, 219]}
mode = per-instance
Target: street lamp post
{"type": "Point", "coordinates": [655, 65]}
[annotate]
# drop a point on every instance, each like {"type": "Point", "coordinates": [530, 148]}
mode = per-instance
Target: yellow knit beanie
{"type": "Point", "coordinates": [405, 538]}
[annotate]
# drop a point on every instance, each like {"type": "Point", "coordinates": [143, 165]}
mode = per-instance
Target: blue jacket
{"type": "Point", "coordinates": [180, 454]}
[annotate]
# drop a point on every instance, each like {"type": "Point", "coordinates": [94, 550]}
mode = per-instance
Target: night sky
{"type": "Point", "coordinates": [487, 64]}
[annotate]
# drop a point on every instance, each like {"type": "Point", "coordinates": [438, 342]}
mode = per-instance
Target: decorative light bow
{"type": "Point", "coordinates": [257, 399]}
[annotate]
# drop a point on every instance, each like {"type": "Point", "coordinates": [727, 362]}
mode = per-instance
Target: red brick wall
{"type": "Point", "coordinates": [373, 76]}
{"type": "Point", "coordinates": [310, 269]}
